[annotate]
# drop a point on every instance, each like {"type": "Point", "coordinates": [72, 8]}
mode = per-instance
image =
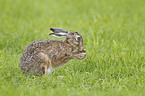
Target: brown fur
{"type": "Point", "coordinates": [41, 56]}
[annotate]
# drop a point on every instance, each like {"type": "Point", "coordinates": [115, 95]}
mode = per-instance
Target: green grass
{"type": "Point", "coordinates": [113, 33]}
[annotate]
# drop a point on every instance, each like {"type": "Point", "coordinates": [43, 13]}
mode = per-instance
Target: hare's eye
{"type": "Point", "coordinates": [78, 38]}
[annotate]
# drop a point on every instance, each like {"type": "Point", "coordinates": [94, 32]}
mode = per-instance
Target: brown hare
{"type": "Point", "coordinates": [40, 57]}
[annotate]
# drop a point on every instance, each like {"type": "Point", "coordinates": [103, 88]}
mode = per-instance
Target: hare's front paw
{"type": "Point", "coordinates": [81, 55]}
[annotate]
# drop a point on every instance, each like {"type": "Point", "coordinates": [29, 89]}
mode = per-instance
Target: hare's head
{"type": "Point", "coordinates": [72, 38]}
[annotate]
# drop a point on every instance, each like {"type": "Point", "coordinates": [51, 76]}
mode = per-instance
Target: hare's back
{"type": "Point", "coordinates": [38, 46]}
{"type": "Point", "coordinates": [41, 45]}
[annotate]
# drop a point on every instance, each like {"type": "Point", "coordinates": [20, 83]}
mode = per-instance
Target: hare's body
{"type": "Point", "coordinates": [45, 53]}
{"type": "Point", "coordinates": [41, 56]}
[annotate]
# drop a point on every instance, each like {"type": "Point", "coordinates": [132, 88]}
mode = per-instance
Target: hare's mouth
{"type": "Point", "coordinates": [83, 51]}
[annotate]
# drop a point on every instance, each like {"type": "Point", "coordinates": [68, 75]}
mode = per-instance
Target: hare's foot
{"type": "Point", "coordinates": [80, 54]}
{"type": "Point", "coordinates": [48, 70]}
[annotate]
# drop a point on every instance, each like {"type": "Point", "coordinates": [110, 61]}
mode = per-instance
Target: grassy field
{"type": "Point", "coordinates": [113, 33]}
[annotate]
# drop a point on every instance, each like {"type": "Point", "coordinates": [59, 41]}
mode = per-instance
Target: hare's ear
{"type": "Point", "coordinates": [60, 34]}
{"type": "Point", "coordinates": [58, 30]}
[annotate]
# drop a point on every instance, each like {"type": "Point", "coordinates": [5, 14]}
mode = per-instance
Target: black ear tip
{"type": "Point", "coordinates": [51, 34]}
{"type": "Point", "coordinates": [51, 29]}
{"type": "Point", "coordinates": [77, 32]}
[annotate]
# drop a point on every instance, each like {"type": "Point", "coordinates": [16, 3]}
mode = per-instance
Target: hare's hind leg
{"type": "Point", "coordinates": [47, 65]}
